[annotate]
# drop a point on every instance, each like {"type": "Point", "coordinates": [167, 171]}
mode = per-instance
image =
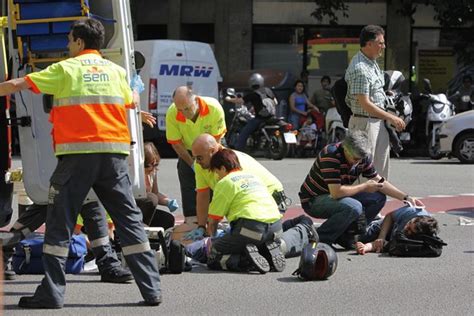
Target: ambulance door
{"type": "Point", "coordinates": [120, 50]}
{"type": "Point", "coordinates": [35, 43]}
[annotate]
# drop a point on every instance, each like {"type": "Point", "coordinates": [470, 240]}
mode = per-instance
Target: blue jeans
{"type": "Point", "coordinates": [294, 119]}
{"type": "Point", "coordinates": [343, 212]}
{"type": "Point", "coordinates": [248, 129]}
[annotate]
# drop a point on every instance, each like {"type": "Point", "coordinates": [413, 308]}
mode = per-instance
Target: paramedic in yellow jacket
{"type": "Point", "coordinates": [253, 215]}
{"type": "Point", "coordinates": [204, 147]}
{"type": "Point", "coordinates": [91, 140]}
{"type": "Point", "coordinates": [188, 117]}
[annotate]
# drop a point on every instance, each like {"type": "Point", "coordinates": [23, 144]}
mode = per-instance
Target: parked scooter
{"type": "Point", "coordinates": [335, 130]}
{"type": "Point", "coordinates": [398, 103]}
{"type": "Point", "coordinates": [272, 137]}
{"type": "Point", "coordinates": [439, 109]}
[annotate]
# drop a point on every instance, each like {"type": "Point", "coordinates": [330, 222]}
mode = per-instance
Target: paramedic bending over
{"type": "Point", "coordinates": [90, 154]}
{"type": "Point", "coordinates": [188, 117]}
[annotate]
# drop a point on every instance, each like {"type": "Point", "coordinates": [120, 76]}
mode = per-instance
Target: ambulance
{"type": "Point", "coordinates": [168, 65]}
{"type": "Point", "coordinates": [37, 36]}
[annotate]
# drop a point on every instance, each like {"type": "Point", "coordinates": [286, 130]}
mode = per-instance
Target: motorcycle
{"type": "Point", "coordinates": [335, 130]}
{"type": "Point", "coordinates": [398, 103]}
{"type": "Point", "coordinates": [272, 136]}
{"type": "Point", "coordinates": [439, 109]}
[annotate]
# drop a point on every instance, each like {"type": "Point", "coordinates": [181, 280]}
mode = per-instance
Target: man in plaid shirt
{"type": "Point", "coordinates": [366, 96]}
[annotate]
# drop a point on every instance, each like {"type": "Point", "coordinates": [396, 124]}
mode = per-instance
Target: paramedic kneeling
{"type": "Point", "coordinates": [253, 215]}
{"type": "Point", "coordinates": [203, 148]}
{"type": "Point", "coordinates": [91, 140]}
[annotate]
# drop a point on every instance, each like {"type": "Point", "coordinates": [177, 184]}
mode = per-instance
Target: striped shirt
{"type": "Point", "coordinates": [363, 76]}
{"type": "Point", "coordinates": [331, 167]}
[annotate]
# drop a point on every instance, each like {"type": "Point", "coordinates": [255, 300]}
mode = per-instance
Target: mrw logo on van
{"type": "Point", "coordinates": [185, 70]}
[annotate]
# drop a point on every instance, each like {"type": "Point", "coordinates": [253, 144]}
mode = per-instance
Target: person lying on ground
{"type": "Point", "coordinates": [407, 219]}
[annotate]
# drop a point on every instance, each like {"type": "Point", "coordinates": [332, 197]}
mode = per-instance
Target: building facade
{"type": "Point", "coordinates": [254, 34]}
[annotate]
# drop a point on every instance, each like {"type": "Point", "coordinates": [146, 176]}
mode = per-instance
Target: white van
{"type": "Point", "coordinates": [170, 64]}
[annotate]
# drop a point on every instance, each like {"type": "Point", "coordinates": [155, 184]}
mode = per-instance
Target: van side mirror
{"type": "Point", "coordinates": [139, 60]}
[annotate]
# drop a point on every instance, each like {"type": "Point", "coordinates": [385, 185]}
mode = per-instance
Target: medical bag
{"type": "Point", "coordinates": [170, 254]}
{"type": "Point", "coordinates": [28, 255]}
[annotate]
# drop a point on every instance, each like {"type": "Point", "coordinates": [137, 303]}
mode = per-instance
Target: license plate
{"type": "Point", "coordinates": [290, 138]}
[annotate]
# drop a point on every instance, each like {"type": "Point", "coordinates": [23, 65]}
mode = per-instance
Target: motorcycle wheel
{"type": "Point", "coordinates": [433, 151]}
{"type": "Point", "coordinates": [278, 149]}
{"type": "Point", "coordinates": [464, 150]}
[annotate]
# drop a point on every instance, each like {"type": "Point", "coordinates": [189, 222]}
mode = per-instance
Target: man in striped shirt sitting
{"type": "Point", "coordinates": [329, 191]}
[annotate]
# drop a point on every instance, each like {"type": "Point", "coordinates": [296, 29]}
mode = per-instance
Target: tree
{"type": "Point", "coordinates": [449, 14]}
{"type": "Point", "coordinates": [329, 8]}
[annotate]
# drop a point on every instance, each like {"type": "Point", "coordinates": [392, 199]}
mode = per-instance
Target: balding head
{"type": "Point", "coordinates": [204, 146]}
{"type": "Point", "coordinates": [184, 101]}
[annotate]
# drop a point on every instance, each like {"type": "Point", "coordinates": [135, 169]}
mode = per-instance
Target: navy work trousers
{"type": "Point", "coordinates": [187, 184]}
{"type": "Point", "coordinates": [72, 179]}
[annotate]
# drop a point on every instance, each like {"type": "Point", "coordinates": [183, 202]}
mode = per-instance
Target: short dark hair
{"type": "Point", "coordinates": [325, 77]}
{"type": "Point", "coordinates": [91, 31]}
{"type": "Point", "coordinates": [299, 81]}
{"type": "Point", "coordinates": [225, 158]}
{"type": "Point", "coordinates": [426, 225]}
{"type": "Point", "coordinates": [369, 33]}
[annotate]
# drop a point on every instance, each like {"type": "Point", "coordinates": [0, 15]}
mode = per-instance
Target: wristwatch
{"type": "Point", "coordinates": [405, 198]}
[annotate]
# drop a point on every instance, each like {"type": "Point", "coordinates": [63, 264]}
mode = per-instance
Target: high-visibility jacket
{"type": "Point", "coordinates": [211, 120]}
{"type": "Point", "coordinates": [91, 97]}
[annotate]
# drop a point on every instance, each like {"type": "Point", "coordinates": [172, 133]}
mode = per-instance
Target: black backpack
{"type": "Point", "coordinates": [339, 92]}
{"type": "Point", "coordinates": [419, 245]}
{"type": "Point", "coordinates": [171, 254]}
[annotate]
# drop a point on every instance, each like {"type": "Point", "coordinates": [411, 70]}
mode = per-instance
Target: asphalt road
{"type": "Point", "coordinates": [362, 285]}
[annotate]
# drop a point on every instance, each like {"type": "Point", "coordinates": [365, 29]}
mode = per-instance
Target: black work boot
{"type": "Point", "coordinates": [153, 301]}
{"type": "Point", "coordinates": [33, 303]}
{"type": "Point", "coordinates": [256, 259]}
{"type": "Point", "coordinates": [116, 275]}
{"type": "Point", "coordinates": [272, 253]}
{"type": "Point", "coordinates": [347, 241]}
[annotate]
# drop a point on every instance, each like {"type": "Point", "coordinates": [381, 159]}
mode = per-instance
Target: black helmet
{"type": "Point", "coordinates": [256, 81]}
{"type": "Point", "coordinates": [317, 262]}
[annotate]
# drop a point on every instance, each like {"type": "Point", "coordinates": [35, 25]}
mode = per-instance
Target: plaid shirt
{"type": "Point", "coordinates": [363, 76]}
